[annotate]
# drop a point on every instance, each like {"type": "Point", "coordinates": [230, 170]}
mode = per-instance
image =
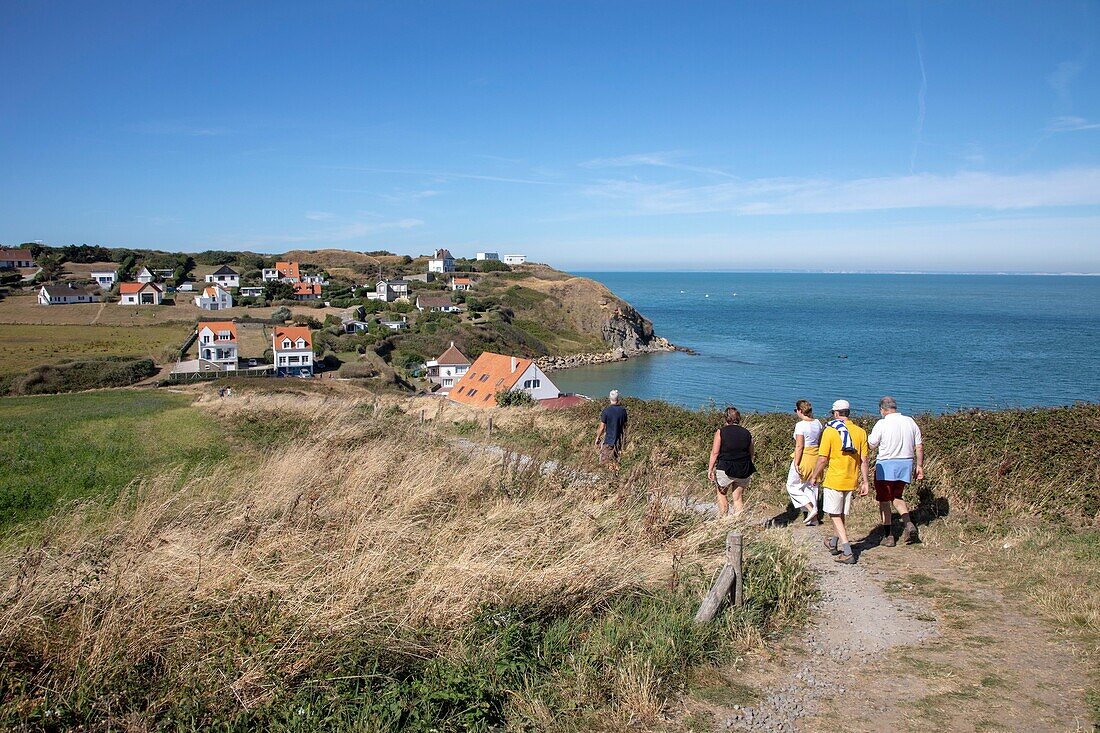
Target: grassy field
{"type": "Point", "coordinates": [60, 448]}
{"type": "Point", "coordinates": [25, 346]}
{"type": "Point", "coordinates": [317, 584]}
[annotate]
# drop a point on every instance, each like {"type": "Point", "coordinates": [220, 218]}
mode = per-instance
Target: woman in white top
{"type": "Point", "coordinates": [807, 438]}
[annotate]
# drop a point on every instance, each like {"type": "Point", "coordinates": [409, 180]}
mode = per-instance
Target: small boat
{"type": "Point", "coordinates": [842, 356]}
{"type": "Point", "coordinates": [707, 295]}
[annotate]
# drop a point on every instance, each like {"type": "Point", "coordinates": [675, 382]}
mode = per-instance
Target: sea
{"type": "Point", "coordinates": [937, 343]}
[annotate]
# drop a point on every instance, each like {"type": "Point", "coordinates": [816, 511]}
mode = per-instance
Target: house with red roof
{"type": "Point", "coordinates": [292, 347]}
{"type": "Point", "coordinates": [149, 293]}
{"type": "Point", "coordinates": [492, 373]}
{"type": "Point", "coordinates": [285, 271]}
{"type": "Point", "coordinates": [217, 343]}
{"type": "Point", "coordinates": [214, 298]}
{"type": "Point", "coordinates": [461, 283]}
{"type": "Point", "coordinates": [307, 291]}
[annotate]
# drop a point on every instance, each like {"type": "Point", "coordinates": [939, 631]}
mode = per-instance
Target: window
{"type": "Point", "coordinates": [483, 377]}
{"type": "Point", "coordinates": [459, 390]}
{"type": "Point", "coordinates": [472, 392]}
{"type": "Point", "coordinates": [286, 343]}
{"type": "Point", "coordinates": [294, 359]}
{"type": "Point", "coordinates": [487, 397]}
{"type": "Point", "coordinates": [448, 382]}
{"type": "Point", "coordinates": [532, 383]}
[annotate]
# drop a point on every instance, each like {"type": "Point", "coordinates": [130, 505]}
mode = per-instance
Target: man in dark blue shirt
{"type": "Point", "coordinates": [611, 435]}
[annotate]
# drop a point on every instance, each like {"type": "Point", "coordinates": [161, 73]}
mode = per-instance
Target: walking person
{"type": "Point", "coordinates": [841, 467]}
{"type": "Point", "coordinates": [731, 462]}
{"type": "Point", "coordinates": [611, 433]}
{"type": "Point", "coordinates": [898, 440]}
{"type": "Point", "coordinates": [807, 438]}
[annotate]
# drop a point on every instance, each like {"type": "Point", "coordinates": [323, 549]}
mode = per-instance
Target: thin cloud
{"type": "Point", "coordinates": [444, 175]}
{"type": "Point", "coordinates": [185, 129]}
{"type": "Point", "coordinates": [773, 196]}
{"type": "Point", "coordinates": [320, 215]}
{"type": "Point", "coordinates": [345, 232]}
{"type": "Point", "coordinates": [1061, 79]}
{"type": "Point", "coordinates": [1070, 123]}
{"type": "Point", "coordinates": [662, 159]}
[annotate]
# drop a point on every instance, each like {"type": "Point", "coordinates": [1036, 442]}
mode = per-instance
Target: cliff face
{"type": "Point", "coordinates": [587, 308]}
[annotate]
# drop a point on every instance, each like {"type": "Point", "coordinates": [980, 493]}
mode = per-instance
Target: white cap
{"type": "Point", "coordinates": [614, 396]}
{"type": "Point", "coordinates": [841, 405]}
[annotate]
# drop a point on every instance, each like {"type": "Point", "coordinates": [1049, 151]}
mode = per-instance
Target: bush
{"type": "Point", "coordinates": [514, 399]}
{"type": "Point", "coordinates": [77, 376]}
{"type": "Point", "coordinates": [282, 314]}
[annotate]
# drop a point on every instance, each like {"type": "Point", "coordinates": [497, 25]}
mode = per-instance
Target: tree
{"type": "Point", "coordinates": [517, 398]}
{"type": "Point", "coordinates": [281, 314]}
{"type": "Point", "coordinates": [278, 290]}
{"type": "Point", "coordinates": [52, 264]}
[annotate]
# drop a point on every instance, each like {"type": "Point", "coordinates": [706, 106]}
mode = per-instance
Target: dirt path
{"type": "Point", "coordinates": [908, 641]}
{"type": "Point", "coordinates": [98, 313]}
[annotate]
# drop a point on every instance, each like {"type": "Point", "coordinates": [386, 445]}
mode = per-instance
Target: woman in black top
{"type": "Point", "coordinates": [731, 464]}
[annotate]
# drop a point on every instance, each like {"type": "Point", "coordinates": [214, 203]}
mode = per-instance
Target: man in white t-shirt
{"type": "Point", "coordinates": [898, 440]}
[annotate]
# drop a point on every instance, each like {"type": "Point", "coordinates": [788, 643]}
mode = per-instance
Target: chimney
{"type": "Point", "coordinates": [514, 365]}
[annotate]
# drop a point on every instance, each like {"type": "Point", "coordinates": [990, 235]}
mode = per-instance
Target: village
{"type": "Point", "coordinates": [228, 340]}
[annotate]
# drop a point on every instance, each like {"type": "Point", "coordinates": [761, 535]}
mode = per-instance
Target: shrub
{"type": "Point", "coordinates": [281, 314]}
{"type": "Point", "coordinates": [77, 376]}
{"type": "Point", "coordinates": [515, 398]}
{"type": "Point", "coordinates": [302, 319]}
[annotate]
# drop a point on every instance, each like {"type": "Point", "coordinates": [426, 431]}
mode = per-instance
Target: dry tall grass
{"type": "Point", "coordinates": [366, 529]}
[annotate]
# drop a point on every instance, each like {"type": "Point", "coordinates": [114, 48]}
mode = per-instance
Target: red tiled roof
{"type": "Point", "coordinates": [287, 269]}
{"type": "Point", "coordinates": [307, 288]}
{"type": "Point", "coordinates": [293, 333]}
{"type": "Point", "coordinates": [489, 374]}
{"type": "Point", "coordinates": [132, 288]}
{"type": "Point", "coordinates": [216, 326]}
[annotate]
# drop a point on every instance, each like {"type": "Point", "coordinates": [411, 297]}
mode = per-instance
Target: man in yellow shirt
{"type": "Point", "coordinates": [843, 452]}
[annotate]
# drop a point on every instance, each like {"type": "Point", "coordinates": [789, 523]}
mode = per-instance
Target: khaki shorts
{"type": "Point", "coordinates": [609, 453]}
{"type": "Point", "coordinates": [724, 481]}
{"type": "Point", "coordinates": [836, 502]}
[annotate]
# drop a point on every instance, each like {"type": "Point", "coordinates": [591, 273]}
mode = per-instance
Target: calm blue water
{"type": "Point", "coordinates": [935, 342]}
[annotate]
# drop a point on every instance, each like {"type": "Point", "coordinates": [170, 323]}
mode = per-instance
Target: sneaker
{"type": "Point", "coordinates": [909, 536]}
{"type": "Point", "coordinates": [845, 559]}
{"type": "Point", "coordinates": [831, 544]}
{"type": "Point", "coordinates": [888, 540]}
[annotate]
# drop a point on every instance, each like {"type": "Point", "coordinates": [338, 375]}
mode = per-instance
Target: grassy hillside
{"type": "Point", "coordinates": [25, 346]}
{"type": "Point", "coordinates": [320, 584]}
{"type": "Point", "coordinates": [59, 449]}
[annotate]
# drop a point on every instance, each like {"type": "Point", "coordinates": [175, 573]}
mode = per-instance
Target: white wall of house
{"type": "Point", "coordinates": [226, 281]}
{"type": "Point", "coordinates": [106, 279]}
{"type": "Point", "coordinates": [515, 259]}
{"type": "Point", "coordinates": [445, 264]}
{"type": "Point", "coordinates": [218, 347]}
{"type": "Point", "coordinates": [289, 358]}
{"type": "Point", "coordinates": [535, 383]}
{"type": "Point", "coordinates": [449, 374]}
{"type": "Point", "coordinates": [145, 276]}
{"type": "Point", "coordinates": [220, 301]}
{"type": "Point", "coordinates": [488, 256]}
{"type": "Point", "coordinates": [145, 296]}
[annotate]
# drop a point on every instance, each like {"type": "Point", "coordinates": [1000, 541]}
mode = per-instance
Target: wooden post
{"type": "Point", "coordinates": [421, 417]}
{"type": "Point", "coordinates": [729, 582]}
{"type": "Point", "coordinates": [490, 427]}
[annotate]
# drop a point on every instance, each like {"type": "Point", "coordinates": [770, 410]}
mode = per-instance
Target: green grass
{"type": "Point", "coordinates": [59, 448]}
{"type": "Point", "coordinates": [23, 346]}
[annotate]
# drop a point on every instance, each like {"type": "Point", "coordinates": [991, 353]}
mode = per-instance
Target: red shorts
{"type": "Point", "coordinates": [889, 490]}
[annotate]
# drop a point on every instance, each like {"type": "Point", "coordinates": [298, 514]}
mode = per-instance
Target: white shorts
{"type": "Point", "coordinates": [725, 481]}
{"type": "Point", "coordinates": [837, 502]}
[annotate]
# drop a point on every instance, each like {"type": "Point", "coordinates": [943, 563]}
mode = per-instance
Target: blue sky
{"type": "Point", "coordinates": [590, 135]}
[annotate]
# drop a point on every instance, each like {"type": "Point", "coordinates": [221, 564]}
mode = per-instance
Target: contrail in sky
{"type": "Point", "coordinates": [919, 38]}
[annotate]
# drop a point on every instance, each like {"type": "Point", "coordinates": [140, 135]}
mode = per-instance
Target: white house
{"type": "Point", "coordinates": [163, 273]}
{"type": "Point", "coordinates": [140, 294]}
{"type": "Point", "coordinates": [285, 271]}
{"type": "Point", "coordinates": [492, 373]}
{"type": "Point", "coordinates": [391, 290]}
{"type": "Point", "coordinates": [15, 259]}
{"type": "Point", "coordinates": [293, 350]}
{"type": "Point", "coordinates": [217, 343]}
{"type": "Point", "coordinates": [395, 325]}
{"type": "Point", "coordinates": [214, 298]}
{"type": "Point", "coordinates": [65, 295]}
{"type": "Point", "coordinates": [488, 256]}
{"type": "Point", "coordinates": [105, 278]}
{"type": "Point", "coordinates": [448, 368]}
{"type": "Point", "coordinates": [441, 303]}
{"type": "Point", "coordinates": [145, 275]}
{"type": "Point", "coordinates": [317, 279]}
{"type": "Point", "coordinates": [251, 291]}
{"type": "Point", "coordinates": [225, 276]}
{"type": "Point", "coordinates": [441, 261]}
{"type": "Point", "coordinates": [515, 259]}
{"type": "Point", "coordinates": [461, 283]}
